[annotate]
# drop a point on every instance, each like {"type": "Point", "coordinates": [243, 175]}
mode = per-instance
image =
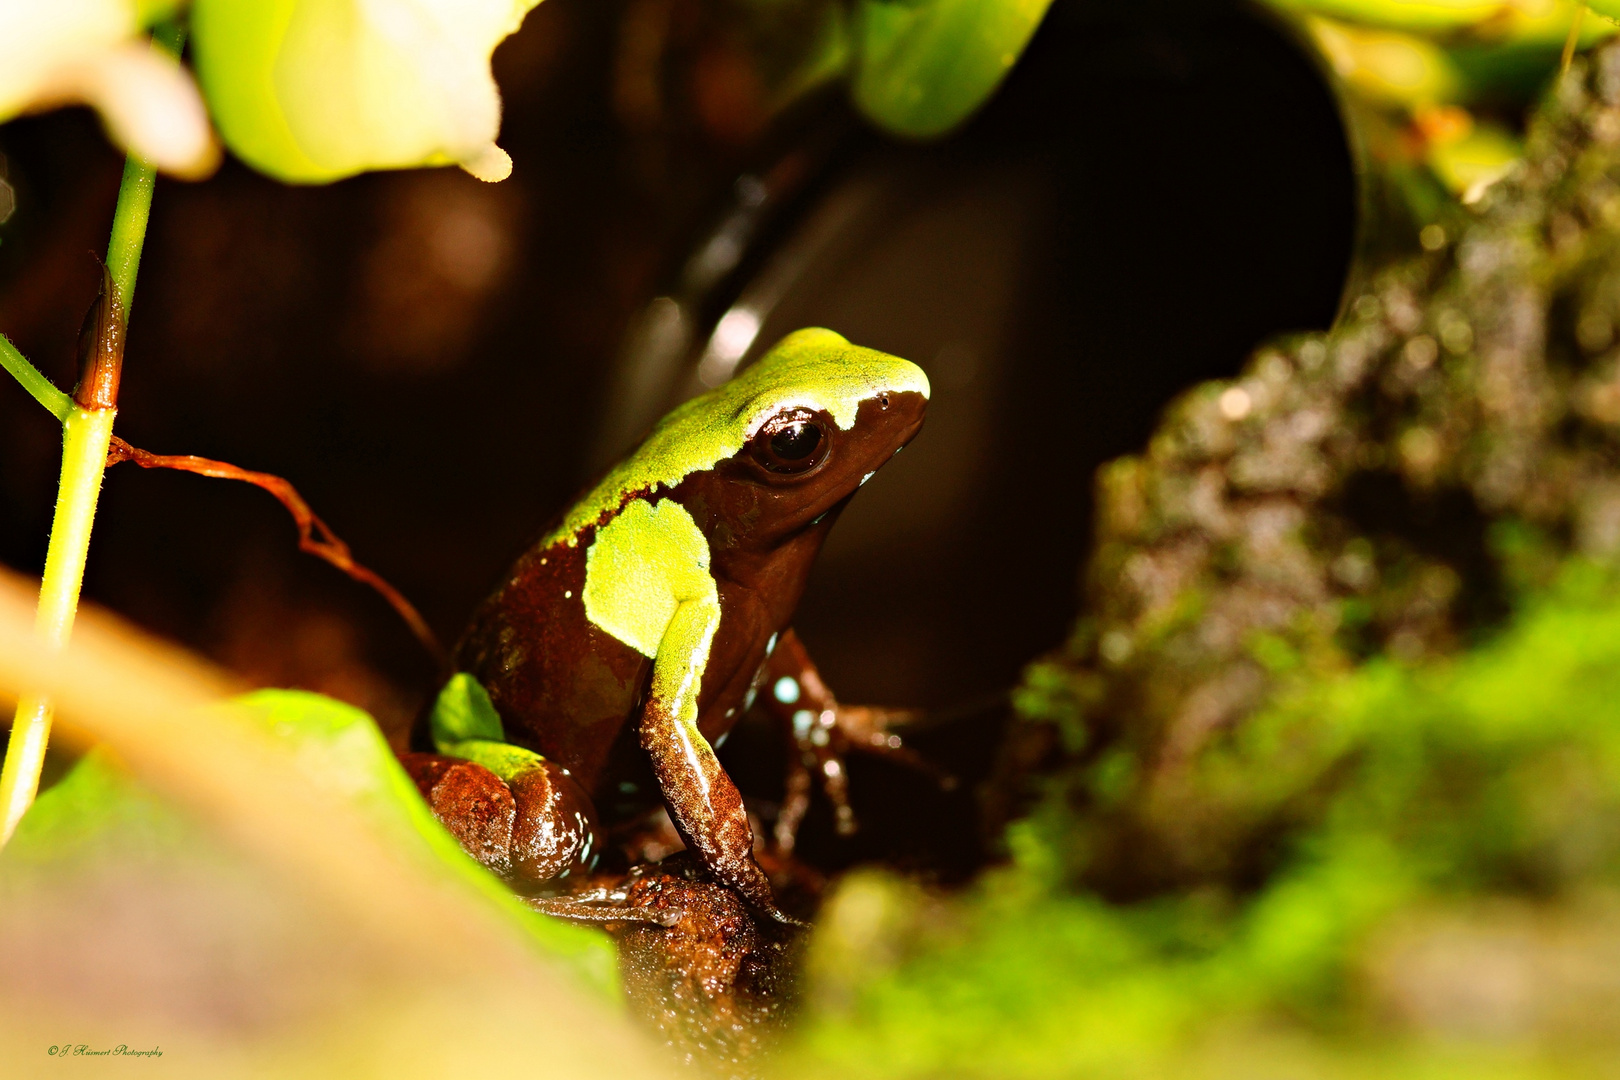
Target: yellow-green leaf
{"type": "Point", "coordinates": [924, 66]}
{"type": "Point", "coordinates": [315, 90]}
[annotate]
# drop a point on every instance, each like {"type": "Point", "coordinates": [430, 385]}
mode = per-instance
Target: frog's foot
{"type": "Point", "coordinates": [704, 969]}
{"type": "Point", "coordinates": [821, 741]}
{"type": "Point", "coordinates": [531, 828]}
{"type": "Point", "coordinates": [870, 730]}
{"type": "Point", "coordinates": [650, 894]}
{"type": "Point", "coordinates": [822, 733]}
{"type": "Point", "coordinates": [611, 906]}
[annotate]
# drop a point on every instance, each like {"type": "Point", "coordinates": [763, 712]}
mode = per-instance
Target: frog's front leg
{"type": "Point", "coordinates": [822, 732]}
{"type": "Point", "coordinates": [703, 802]}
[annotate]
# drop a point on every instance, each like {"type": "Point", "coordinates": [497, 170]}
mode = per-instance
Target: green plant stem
{"type": "Point", "coordinates": [35, 383]}
{"type": "Point", "coordinates": [135, 199]}
{"type": "Point", "coordinates": [86, 434]}
{"type": "Point", "coordinates": [129, 230]}
{"type": "Point", "coordinates": [85, 437]}
{"type": "Point", "coordinates": [1573, 40]}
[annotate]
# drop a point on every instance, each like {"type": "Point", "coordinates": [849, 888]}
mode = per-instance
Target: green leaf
{"type": "Point", "coordinates": [1489, 24]}
{"type": "Point", "coordinates": [464, 711]}
{"type": "Point", "coordinates": [340, 748]}
{"type": "Point", "coordinates": [924, 66]}
{"type": "Point", "coordinates": [43, 390]}
{"type": "Point", "coordinates": [1609, 9]}
{"type": "Point", "coordinates": [152, 12]}
{"type": "Point", "coordinates": [98, 810]}
{"type": "Point", "coordinates": [310, 91]}
{"type": "Point", "coordinates": [1431, 15]}
{"type": "Point", "coordinates": [95, 810]}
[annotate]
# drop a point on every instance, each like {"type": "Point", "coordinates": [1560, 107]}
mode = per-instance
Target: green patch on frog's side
{"type": "Point", "coordinates": [812, 369]}
{"type": "Point", "coordinates": [648, 557]}
{"type": "Point", "coordinates": [642, 565]}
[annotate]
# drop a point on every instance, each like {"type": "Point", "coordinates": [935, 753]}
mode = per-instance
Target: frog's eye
{"type": "Point", "coordinates": [791, 443]}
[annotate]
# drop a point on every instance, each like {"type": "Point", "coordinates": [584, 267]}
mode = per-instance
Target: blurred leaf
{"type": "Point", "coordinates": [263, 904]}
{"type": "Point", "coordinates": [1503, 53]}
{"type": "Point", "coordinates": [1385, 66]}
{"type": "Point", "coordinates": [1476, 159]}
{"type": "Point", "coordinates": [822, 55]}
{"type": "Point", "coordinates": [1500, 21]}
{"type": "Point", "coordinates": [315, 90]}
{"type": "Point", "coordinates": [341, 749]}
{"type": "Point", "coordinates": [1424, 15]}
{"type": "Point", "coordinates": [152, 12]}
{"type": "Point", "coordinates": [76, 817]}
{"type": "Point", "coordinates": [923, 66]}
{"type": "Point", "coordinates": [338, 749]}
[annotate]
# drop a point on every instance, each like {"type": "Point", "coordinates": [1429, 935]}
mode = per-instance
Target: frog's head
{"type": "Point", "coordinates": [778, 448]}
{"type": "Point", "coordinates": [805, 426]}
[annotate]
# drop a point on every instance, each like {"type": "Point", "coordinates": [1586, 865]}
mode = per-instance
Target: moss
{"type": "Point", "coordinates": [1339, 790]}
{"type": "Point", "coordinates": [1395, 789]}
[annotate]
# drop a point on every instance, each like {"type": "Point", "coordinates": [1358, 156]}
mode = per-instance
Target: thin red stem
{"type": "Point", "coordinates": [314, 535]}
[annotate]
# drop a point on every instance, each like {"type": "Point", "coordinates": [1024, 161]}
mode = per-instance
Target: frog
{"type": "Point", "coordinates": [622, 647]}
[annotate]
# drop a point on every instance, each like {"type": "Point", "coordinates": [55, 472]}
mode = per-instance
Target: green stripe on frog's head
{"type": "Point", "coordinates": [815, 370]}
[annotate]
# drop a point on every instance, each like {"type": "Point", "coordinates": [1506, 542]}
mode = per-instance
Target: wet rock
{"type": "Point", "coordinates": [1386, 489]}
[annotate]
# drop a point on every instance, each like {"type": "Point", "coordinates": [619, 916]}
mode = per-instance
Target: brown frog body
{"type": "Point", "coordinates": [623, 646]}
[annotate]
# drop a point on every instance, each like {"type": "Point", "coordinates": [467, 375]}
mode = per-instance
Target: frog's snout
{"type": "Point", "coordinates": [904, 412]}
{"type": "Point", "coordinates": [923, 386]}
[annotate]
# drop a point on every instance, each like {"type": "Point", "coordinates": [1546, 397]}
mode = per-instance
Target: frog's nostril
{"type": "Point", "coordinates": [883, 400]}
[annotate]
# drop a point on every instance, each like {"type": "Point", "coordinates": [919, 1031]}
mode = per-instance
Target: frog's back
{"type": "Point", "coordinates": [563, 686]}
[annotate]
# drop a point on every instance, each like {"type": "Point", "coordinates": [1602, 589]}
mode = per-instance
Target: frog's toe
{"type": "Point", "coordinates": [870, 729]}
{"type": "Point", "coordinates": [795, 803]}
{"type": "Point", "coordinates": [608, 910]}
{"type": "Point", "coordinates": [816, 761]}
{"type": "Point", "coordinates": [785, 919]}
{"type": "Point", "coordinates": [822, 741]}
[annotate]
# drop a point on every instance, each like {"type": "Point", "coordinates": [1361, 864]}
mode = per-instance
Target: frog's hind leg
{"type": "Point", "coordinates": [520, 815]}
{"type": "Point", "coordinates": [703, 802]}
{"type": "Point", "coordinates": [822, 732]}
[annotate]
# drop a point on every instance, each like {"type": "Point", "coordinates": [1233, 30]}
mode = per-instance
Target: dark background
{"type": "Point", "coordinates": [429, 359]}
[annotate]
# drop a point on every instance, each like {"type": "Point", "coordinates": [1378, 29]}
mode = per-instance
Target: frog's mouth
{"type": "Point", "coordinates": [883, 427]}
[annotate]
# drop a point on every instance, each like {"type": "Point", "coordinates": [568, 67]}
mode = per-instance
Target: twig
{"type": "Point", "coordinates": [17, 365]}
{"type": "Point", "coordinates": [314, 535]}
{"type": "Point", "coordinates": [1572, 41]}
